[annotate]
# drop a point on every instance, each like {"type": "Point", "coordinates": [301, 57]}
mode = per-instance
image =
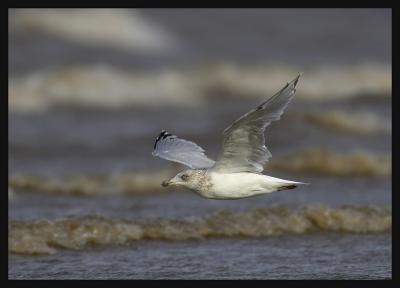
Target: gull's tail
{"type": "Point", "coordinates": [290, 185]}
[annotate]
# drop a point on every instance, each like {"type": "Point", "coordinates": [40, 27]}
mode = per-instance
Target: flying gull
{"type": "Point", "coordinates": [237, 171]}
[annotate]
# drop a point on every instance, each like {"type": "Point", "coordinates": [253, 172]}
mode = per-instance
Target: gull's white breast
{"type": "Point", "coordinates": [240, 185]}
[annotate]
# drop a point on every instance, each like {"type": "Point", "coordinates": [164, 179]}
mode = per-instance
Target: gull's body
{"type": "Point", "coordinates": [218, 185]}
{"type": "Point", "coordinates": [237, 171]}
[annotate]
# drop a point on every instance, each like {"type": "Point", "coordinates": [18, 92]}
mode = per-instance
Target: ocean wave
{"type": "Point", "coordinates": [46, 236]}
{"type": "Point", "coordinates": [341, 121]}
{"type": "Point", "coordinates": [135, 183]}
{"type": "Point", "coordinates": [92, 85]}
{"type": "Point", "coordinates": [320, 83]}
{"type": "Point", "coordinates": [110, 27]}
{"type": "Point", "coordinates": [327, 162]}
{"type": "Point", "coordinates": [314, 161]}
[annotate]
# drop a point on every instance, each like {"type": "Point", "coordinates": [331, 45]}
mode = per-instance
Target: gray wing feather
{"type": "Point", "coordinates": [243, 147]}
{"type": "Point", "coordinates": [172, 148]}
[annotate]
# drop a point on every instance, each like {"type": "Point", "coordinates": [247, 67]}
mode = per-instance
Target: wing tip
{"type": "Point", "coordinates": [164, 134]}
{"type": "Point", "coordinates": [291, 84]}
{"type": "Point", "coordinates": [295, 80]}
{"type": "Point", "coordinates": [158, 139]}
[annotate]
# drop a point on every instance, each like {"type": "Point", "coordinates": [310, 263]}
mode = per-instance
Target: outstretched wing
{"type": "Point", "coordinates": [243, 147]}
{"type": "Point", "coordinates": [172, 148]}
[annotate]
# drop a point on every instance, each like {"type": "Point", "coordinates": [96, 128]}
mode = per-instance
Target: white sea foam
{"type": "Point", "coordinates": [355, 122]}
{"type": "Point", "coordinates": [109, 87]}
{"type": "Point", "coordinates": [45, 236]}
{"type": "Point", "coordinates": [119, 28]}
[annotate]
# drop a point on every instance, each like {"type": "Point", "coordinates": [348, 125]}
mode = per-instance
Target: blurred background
{"type": "Point", "coordinates": [91, 89]}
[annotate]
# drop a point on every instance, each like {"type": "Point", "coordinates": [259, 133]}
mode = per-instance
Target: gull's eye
{"type": "Point", "coordinates": [184, 177]}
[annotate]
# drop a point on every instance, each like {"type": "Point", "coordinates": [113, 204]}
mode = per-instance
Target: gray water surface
{"type": "Point", "coordinates": [326, 256]}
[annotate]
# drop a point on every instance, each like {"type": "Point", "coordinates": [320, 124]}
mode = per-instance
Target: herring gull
{"type": "Point", "coordinates": [237, 171]}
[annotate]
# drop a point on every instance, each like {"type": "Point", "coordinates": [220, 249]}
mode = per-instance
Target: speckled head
{"type": "Point", "coordinates": [191, 179]}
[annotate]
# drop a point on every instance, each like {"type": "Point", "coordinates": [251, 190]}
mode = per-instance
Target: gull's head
{"type": "Point", "coordinates": [188, 178]}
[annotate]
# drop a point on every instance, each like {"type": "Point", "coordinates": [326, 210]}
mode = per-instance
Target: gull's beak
{"type": "Point", "coordinates": [171, 182]}
{"type": "Point", "coordinates": [168, 182]}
